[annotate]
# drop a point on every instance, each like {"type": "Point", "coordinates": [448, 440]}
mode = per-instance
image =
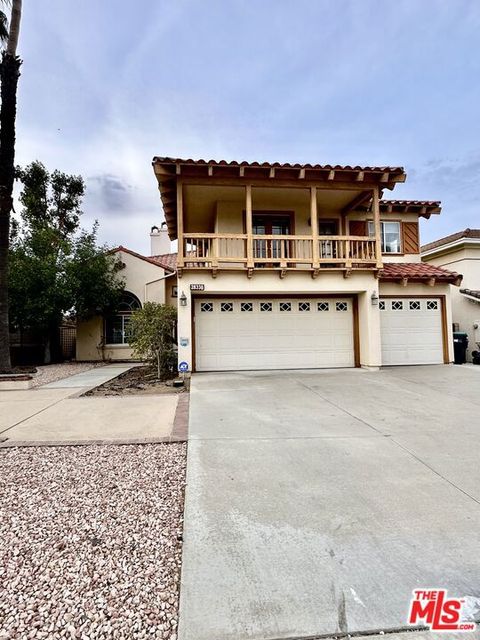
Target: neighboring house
{"type": "Point", "coordinates": [147, 278]}
{"type": "Point", "coordinates": [461, 252]}
{"type": "Point", "coordinates": [301, 266]}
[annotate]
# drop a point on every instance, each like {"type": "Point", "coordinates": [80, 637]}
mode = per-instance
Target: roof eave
{"type": "Point", "coordinates": [169, 170]}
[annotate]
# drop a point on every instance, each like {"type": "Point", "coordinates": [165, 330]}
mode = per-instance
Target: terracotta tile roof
{"type": "Point", "coordinates": [471, 292]}
{"type": "Point", "coordinates": [168, 170]}
{"type": "Point", "coordinates": [423, 208]}
{"type": "Point", "coordinates": [418, 272]}
{"type": "Point", "coordinates": [167, 261]}
{"type": "Point", "coordinates": [466, 233]}
{"type": "Point", "coordinates": [278, 165]}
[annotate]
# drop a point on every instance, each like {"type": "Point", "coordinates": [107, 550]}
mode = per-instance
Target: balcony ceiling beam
{"type": "Point", "coordinates": [356, 202]}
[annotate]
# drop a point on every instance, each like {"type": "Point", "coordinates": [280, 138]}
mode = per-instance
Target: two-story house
{"type": "Point", "coordinates": [286, 266]}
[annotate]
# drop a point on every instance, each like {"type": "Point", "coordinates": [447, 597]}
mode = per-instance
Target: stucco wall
{"type": "Point", "coordinates": [268, 283]}
{"type": "Point", "coordinates": [465, 312]}
{"type": "Point", "coordinates": [362, 284]}
{"type": "Point", "coordinates": [141, 279]}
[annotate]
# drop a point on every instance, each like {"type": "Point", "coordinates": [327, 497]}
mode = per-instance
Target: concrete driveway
{"type": "Point", "coordinates": [317, 501]}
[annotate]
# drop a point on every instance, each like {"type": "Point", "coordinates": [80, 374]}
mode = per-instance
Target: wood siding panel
{"type": "Point", "coordinates": [358, 228]}
{"type": "Point", "coordinates": [410, 239]}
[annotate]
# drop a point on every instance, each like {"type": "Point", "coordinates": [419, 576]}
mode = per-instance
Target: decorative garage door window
{"type": "Point", "coordinates": [226, 307]}
{"type": "Point", "coordinates": [397, 305]}
{"type": "Point", "coordinates": [206, 307]}
{"type": "Point", "coordinates": [432, 305]}
{"type": "Point", "coordinates": [266, 306]}
{"type": "Point", "coordinates": [414, 305]}
{"type": "Point", "coordinates": [285, 306]}
{"type": "Point", "coordinates": [341, 306]}
{"type": "Point", "coordinates": [323, 306]}
{"type": "Point", "coordinates": [304, 306]}
{"type": "Point", "coordinates": [246, 306]}
{"type": "Point", "coordinates": [381, 305]}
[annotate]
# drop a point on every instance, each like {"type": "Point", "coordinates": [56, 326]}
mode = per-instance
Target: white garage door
{"type": "Point", "coordinates": [271, 333]}
{"type": "Point", "coordinates": [411, 331]}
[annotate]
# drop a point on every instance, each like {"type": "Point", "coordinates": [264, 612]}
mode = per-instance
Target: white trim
{"type": "Point", "coordinates": [472, 298]}
{"type": "Point", "coordinates": [451, 245]}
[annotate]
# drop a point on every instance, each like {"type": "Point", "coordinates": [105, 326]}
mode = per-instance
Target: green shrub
{"type": "Point", "coordinates": [151, 334]}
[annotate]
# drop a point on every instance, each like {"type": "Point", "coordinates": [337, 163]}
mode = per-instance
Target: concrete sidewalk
{"type": "Point", "coordinates": [317, 501]}
{"type": "Point", "coordinates": [54, 414]}
{"type": "Point", "coordinates": [91, 378]}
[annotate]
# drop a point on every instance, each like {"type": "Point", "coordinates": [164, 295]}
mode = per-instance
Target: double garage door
{"type": "Point", "coordinates": [310, 333]}
{"type": "Point", "coordinates": [272, 333]}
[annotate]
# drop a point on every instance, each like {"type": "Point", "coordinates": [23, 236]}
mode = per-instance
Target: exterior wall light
{"type": "Point", "coordinates": [374, 299]}
{"type": "Point", "coordinates": [183, 299]}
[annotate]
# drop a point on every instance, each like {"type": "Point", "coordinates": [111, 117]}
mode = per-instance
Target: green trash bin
{"type": "Point", "coordinates": [460, 346]}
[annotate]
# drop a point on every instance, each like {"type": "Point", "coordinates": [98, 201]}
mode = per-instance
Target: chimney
{"type": "Point", "coordinates": [159, 240]}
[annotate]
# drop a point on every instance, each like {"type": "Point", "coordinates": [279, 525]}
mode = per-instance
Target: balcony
{"type": "Point", "coordinates": [214, 251]}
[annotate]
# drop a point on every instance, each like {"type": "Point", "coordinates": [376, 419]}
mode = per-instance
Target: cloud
{"type": "Point", "coordinates": [113, 193]}
{"type": "Point", "coordinates": [347, 82]}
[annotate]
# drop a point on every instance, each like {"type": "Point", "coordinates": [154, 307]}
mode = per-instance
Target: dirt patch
{"type": "Point", "coordinates": [140, 380]}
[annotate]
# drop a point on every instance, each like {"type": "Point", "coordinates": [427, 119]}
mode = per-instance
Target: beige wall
{"type": "Point", "coordinates": [362, 284]}
{"type": "Point", "coordinates": [268, 283]}
{"type": "Point", "coordinates": [465, 312]}
{"type": "Point", "coordinates": [143, 279]}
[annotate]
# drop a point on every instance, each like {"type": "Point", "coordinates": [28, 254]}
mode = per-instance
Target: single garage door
{"type": "Point", "coordinates": [270, 333]}
{"type": "Point", "coordinates": [411, 331]}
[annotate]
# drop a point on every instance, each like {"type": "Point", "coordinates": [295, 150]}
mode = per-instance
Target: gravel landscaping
{"type": "Point", "coordinates": [53, 372]}
{"type": "Point", "coordinates": [90, 541]}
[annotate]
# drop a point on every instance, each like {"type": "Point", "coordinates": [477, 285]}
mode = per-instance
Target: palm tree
{"type": "Point", "coordinates": [9, 74]}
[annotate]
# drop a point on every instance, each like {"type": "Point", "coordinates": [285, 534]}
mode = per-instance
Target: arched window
{"type": "Point", "coordinates": [116, 325]}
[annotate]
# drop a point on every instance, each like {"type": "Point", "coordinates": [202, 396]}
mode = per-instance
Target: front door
{"type": "Point", "coordinates": [328, 247]}
{"type": "Point", "coordinates": [265, 224]}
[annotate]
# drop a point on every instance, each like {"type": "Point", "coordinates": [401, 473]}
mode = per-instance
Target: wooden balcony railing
{"type": "Point", "coordinates": [224, 251]}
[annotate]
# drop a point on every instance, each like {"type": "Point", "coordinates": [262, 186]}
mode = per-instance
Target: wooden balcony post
{"type": "Point", "coordinates": [249, 225]}
{"type": "Point", "coordinates": [180, 252]}
{"type": "Point", "coordinates": [314, 223]}
{"type": "Point", "coordinates": [376, 222]}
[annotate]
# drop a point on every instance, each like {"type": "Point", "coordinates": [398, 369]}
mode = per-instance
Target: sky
{"type": "Point", "coordinates": [107, 85]}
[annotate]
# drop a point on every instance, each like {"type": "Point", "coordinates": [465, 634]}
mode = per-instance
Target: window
{"type": "Point", "coordinates": [323, 306]}
{"type": "Point", "coordinates": [390, 235]}
{"type": "Point", "coordinates": [432, 305]}
{"type": "Point", "coordinates": [116, 325]}
{"type": "Point", "coordinates": [206, 307]}
{"type": "Point", "coordinates": [397, 305]}
{"type": "Point", "coordinates": [414, 305]}
{"type": "Point", "coordinates": [174, 291]}
{"type": "Point", "coordinates": [341, 306]}
{"type": "Point", "coordinates": [226, 307]}
{"type": "Point", "coordinates": [271, 224]}
{"type": "Point", "coordinates": [265, 306]}
{"type": "Point", "coordinates": [381, 305]}
{"type": "Point", "coordinates": [304, 306]}
{"type": "Point", "coordinates": [246, 306]}
{"type": "Point", "coordinates": [285, 306]}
